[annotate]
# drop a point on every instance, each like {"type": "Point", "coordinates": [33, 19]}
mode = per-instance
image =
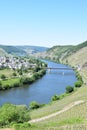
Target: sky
{"type": "Point", "coordinates": [43, 22]}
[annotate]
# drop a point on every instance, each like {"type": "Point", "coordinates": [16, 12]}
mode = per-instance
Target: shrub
{"type": "Point", "coordinates": [21, 125]}
{"type": "Point", "coordinates": [14, 74]}
{"type": "Point", "coordinates": [69, 89]}
{"type": "Point", "coordinates": [5, 86]}
{"type": "Point", "coordinates": [0, 85]}
{"type": "Point", "coordinates": [26, 80]}
{"type": "Point", "coordinates": [16, 84]}
{"type": "Point", "coordinates": [78, 84]}
{"type": "Point", "coordinates": [79, 76]}
{"type": "Point", "coordinates": [55, 97]}
{"type": "Point", "coordinates": [34, 105]}
{"type": "Point", "coordinates": [3, 76]}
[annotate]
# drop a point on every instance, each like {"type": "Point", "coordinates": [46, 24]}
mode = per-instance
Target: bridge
{"type": "Point", "coordinates": [59, 68]}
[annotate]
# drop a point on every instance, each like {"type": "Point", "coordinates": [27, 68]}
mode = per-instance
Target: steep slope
{"type": "Point", "coordinates": [54, 53]}
{"type": "Point", "coordinates": [60, 53]}
{"type": "Point", "coordinates": [79, 58]}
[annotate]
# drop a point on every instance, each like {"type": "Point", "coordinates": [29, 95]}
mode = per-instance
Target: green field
{"type": "Point", "coordinates": [6, 72]}
{"type": "Point", "coordinates": [10, 81]}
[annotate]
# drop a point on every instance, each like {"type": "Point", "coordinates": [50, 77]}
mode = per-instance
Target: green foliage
{"type": "Point", "coordinates": [21, 125]}
{"type": "Point", "coordinates": [0, 85]}
{"type": "Point", "coordinates": [20, 72]}
{"type": "Point", "coordinates": [3, 77]}
{"type": "Point", "coordinates": [5, 86]}
{"type": "Point", "coordinates": [78, 84]}
{"type": "Point", "coordinates": [79, 77]}
{"type": "Point", "coordinates": [55, 97]}
{"type": "Point", "coordinates": [26, 80]}
{"type": "Point", "coordinates": [69, 89]}
{"type": "Point", "coordinates": [16, 84]}
{"type": "Point", "coordinates": [36, 69]}
{"type": "Point", "coordinates": [34, 105]}
{"type": "Point", "coordinates": [14, 74]}
{"type": "Point", "coordinates": [13, 114]}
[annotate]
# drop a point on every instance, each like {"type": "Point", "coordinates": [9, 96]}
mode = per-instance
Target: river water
{"type": "Point", "coordinates": [54, 82]}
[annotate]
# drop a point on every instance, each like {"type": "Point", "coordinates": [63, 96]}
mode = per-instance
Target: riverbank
{"type": "Point", "coordinates": [21, 80]}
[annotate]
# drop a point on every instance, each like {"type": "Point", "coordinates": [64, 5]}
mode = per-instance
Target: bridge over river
{"type": "Point", "coordinates": [59, 68]}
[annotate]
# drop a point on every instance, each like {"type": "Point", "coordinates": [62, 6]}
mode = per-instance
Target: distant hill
{"type": "Point", "coordinates": [22, 50]}
{"type": "Point", "coordinates": [3, 52]}
{"type": "Point", "coordinates": [12, 50]}
{"type": "Point", "coordinates": [32, 49]}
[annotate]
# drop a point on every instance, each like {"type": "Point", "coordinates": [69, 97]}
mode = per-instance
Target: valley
{"type": "Point", "coordinates": [75, 119]}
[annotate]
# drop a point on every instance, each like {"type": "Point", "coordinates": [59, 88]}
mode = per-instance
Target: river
{"type": "Point", "coordinates": [42, 90]}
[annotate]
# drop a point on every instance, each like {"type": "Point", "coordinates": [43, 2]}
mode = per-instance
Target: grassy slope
{"type": "Point", "coordinates": [75, 117]}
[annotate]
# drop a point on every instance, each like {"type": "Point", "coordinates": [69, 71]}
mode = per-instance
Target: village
{"type": "Point", "coordinates": [15, 63]}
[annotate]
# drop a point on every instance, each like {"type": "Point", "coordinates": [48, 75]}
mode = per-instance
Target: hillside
{"type": "Point", "coordinates": [3, 52]}
{"type": "Point", "coordinates": [60, 53]}
{"type": "Point", "coordinates": [13, 50]}
{"type": "Point", "coordinates": [79, 58]}
{"type": "Point", "coordinates": [22, 50]}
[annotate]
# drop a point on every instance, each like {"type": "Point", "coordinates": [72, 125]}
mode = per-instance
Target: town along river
{"type": "Point", "coordinates": [54, 82]}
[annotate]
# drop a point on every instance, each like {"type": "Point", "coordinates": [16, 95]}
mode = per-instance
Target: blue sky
{"type": "Point", "coordinates": [43, 22]}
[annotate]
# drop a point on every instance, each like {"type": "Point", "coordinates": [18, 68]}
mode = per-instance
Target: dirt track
{"type": "Point", "coordinates": [57, 113]}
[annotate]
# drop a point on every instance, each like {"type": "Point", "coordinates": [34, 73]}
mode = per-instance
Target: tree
{"type": "Point", "coordinates": [34, 105]}
{"type": "Point", "coordinates": [55, 97]}
{"type": "Point", "coordinates": [14, 74]}
{"type": "Point", "coordinates": [78, 84]}
{"type": "Point", "coordinates": [69, 89]}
